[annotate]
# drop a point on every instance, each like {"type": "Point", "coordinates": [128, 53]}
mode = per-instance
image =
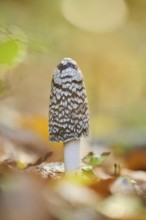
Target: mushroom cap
{"type": "Point", "coordinates": [68, 110]}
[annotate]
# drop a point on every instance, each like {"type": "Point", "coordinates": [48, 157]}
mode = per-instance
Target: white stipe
{"type": "Point", "coordinates": [72, 155]}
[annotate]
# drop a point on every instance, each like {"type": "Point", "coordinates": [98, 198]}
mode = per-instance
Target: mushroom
{"type": "Point", "coordinates": [68, 111]}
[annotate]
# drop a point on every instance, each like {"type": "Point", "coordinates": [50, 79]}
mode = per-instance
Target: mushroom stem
{"type": "Point", "coordinates": [72, 155]}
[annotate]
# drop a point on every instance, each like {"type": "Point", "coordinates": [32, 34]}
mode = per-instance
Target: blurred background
{"type": "Point", "coordinates": [107, 38]}
{"type": "Point", "coordinates": [108, 41]}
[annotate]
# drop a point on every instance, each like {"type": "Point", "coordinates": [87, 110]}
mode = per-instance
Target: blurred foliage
{"type": "Point", "coordinates": [95, 161]}
{"type": "Point", "coordinates": [108, 41]}
{"type": "Point", "coordinates": [12, 46]}
{"type": "Point", "coordinates": [8, 51]}
{"type": "Point", "coordinates": [37, 191]}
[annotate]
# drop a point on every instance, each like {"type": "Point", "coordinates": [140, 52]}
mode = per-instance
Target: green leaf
{"type": "Point", "coordinates": [8, 51]}
{"type": "Point", "coordinates": [12, 46]}
{"type": "Point", "coordinates": [93, 160]}
{"type": "Point", "coordinates": [88, 173]}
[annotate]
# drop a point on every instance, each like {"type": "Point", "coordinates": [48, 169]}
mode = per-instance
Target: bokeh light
{"type": "Point", "coordinates": [96, 15]}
